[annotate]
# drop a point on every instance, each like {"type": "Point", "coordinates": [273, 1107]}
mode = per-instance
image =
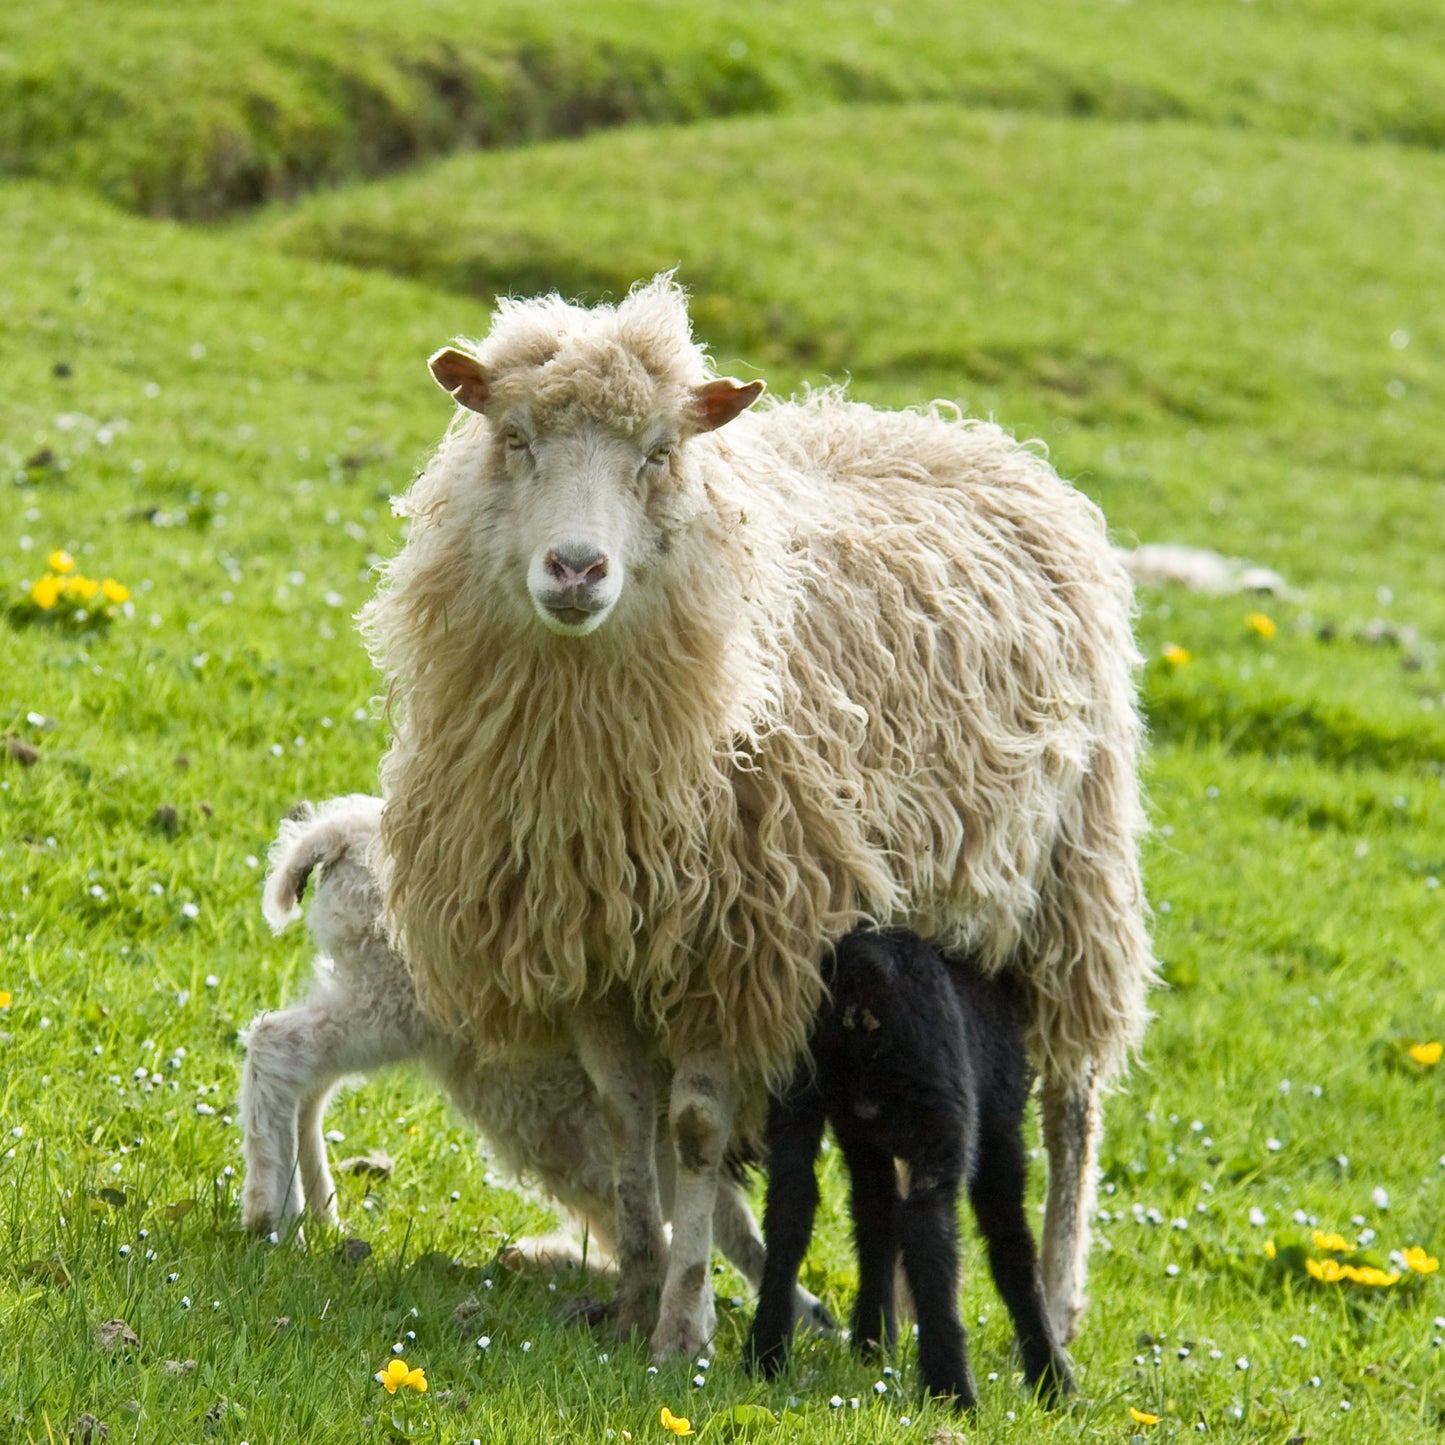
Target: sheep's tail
{"type": "Point", "coordinates": [307, 839]}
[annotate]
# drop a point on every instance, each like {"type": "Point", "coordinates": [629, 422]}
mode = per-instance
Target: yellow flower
{"type": "Point", "coordinates": [1335, 1242]}
{"type": "Point", "coordinates": [678, 1424]}
{"type": "Point", "coordinates": [1175, 655]}
{"type": "Point", "coordinates": [1427, 1054]}
{"type": "Point", "coordinates": [60, 561]}
{"type": "Point", "coordinates": [1415, 1257]}
{"type": "Point", "coordinates": [46, 592]}
{"type": "Point", "coordinates": [82, 589]}
{"type": "Point", "coordinates": [1139, 1417]}
{"type": "Point", "coordinates": [1269, 1249]}
{"type": "Point", "coordinates": [1368, 1274]}
{"type": "Point", "coordinates": [114, 591]}
{"type": "Point", "coordinates": [396, 1374]}
{"type": "Point", "coordinates": [1331, 1271]}
{"type": "Point", "coordinates": [1261, 625]}
{"type": "Point", "coordinates": [4, 998]}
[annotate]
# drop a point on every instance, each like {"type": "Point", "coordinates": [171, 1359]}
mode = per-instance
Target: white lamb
{"type": "Point", "coordinates": [681, 691]}
{"type": "Point", "coordinates": [540, 1114]}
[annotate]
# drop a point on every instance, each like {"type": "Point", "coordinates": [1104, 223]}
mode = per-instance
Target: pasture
{"type": "Point", "coordinates": [1195, 248]}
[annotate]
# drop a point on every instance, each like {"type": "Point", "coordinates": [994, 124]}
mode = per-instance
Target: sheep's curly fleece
{"type": "Point", "coordinates": [882, 668]}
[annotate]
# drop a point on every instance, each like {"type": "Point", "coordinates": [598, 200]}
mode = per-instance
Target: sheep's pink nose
{"type": "Point", "coordinates": [575, 566]}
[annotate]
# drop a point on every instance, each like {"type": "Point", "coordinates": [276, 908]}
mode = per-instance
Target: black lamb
{"type": "Point", "coordinates": [917, 1057]}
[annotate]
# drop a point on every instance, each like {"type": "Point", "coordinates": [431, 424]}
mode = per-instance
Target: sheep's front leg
{"type": "Point", "coordinates": [1072, 1127]}
{"type": "Point", "coordinates": [617, 1061]}
{"type": "Point", "coordinates": [874, 1204]}
{"type": "Point", "coordinates": [795, 1130]}
{"type": "Point", "coordinates": [735, 1231]}
{"type": "Point", "coordinates": [704, 1100]}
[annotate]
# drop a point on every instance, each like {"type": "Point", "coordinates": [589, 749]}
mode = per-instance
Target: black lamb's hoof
{"type": "Point", "coordinates": [766, 1361]}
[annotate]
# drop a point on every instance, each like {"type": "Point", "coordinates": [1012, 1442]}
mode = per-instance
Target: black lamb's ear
{"type": "Point", "coordinates": [461, 376]}
{"type": "Point", "coordinates": [863, 967]}
{"type": "Point", "coordinates": [716, 403]}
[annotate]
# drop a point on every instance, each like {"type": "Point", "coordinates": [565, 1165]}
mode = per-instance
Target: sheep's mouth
{"type": "Point", "coordinates": [574, 616]}
{"type": "Point", "coordinates": [570, 618]}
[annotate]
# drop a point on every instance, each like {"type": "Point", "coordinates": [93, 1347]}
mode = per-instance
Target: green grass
{"type": "Point", "coordinates": [1174, 241]}
{"type": "Point", "coordinates": [198, 111]}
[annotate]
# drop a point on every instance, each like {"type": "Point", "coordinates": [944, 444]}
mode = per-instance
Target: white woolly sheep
{"type": "Point", "coordinates": [680, 692]}
{"type": "Point", "coordinates": [539, 1114]}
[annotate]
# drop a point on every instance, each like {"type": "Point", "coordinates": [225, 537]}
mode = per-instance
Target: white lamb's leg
{"type": "Point", "coordinates": [704, 1100]}
{"type": "Point", "coordinates": [1072, 1127]}
{"type": "Point", "coordinates": [616, 1060]}
{"type": "Point", "coordinates": [293, 1058]}
{"type": "Point", "coordinates": [273, 1081]}
{"type": "Point", "coordinates": [316, 1181]}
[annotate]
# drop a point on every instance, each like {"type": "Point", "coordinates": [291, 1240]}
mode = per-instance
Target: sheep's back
{"type": "Point", "coordinates": [963, 660]}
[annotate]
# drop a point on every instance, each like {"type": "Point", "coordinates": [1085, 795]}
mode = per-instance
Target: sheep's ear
{"type": "Point", "coordinates": [718, 402]}
{"type": "Point", "coordinates": [462, 376]}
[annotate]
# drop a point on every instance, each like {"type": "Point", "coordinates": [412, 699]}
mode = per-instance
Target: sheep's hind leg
{"type": "Point", "coordinates": [704, 1101]}
{"type": "Point", "coordinates": [316, 1181]}
{"type": "Point", "coordinates": [1072, 1127]}
{"type": "Point", "coordinates": [616, 1060]}
{"type": "Point", "coordinates": [997, 1194]}
{"type": "Point", "coordinates": [928, 1234]}
{"type": "Point", "coordinates": [272, 1085]}
{"type": "Point", "coordinates": [293, 1058]}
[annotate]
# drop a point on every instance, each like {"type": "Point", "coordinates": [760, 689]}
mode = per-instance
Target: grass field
{"type": "Point", "coordinates": [1194, 247]}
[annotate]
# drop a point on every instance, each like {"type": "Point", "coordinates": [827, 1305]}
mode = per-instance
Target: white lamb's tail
{"type": "Point", "coordinates": [309, 837]}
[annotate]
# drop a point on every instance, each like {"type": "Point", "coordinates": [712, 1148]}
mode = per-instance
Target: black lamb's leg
{"type": "Point", "coordinates": [928, 1231]}
{"type": "Point", "coordinates": [998, 1194]}
{"type": "Point", "coordinates": [873, 1202]}
{"type": "Point", "coordinates": [795, 1130]}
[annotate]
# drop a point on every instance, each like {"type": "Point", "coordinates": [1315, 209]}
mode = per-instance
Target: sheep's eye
{"type": "Point", "coordinates": [658, 456]}
{"type": "Point", "coordinates": [515, 440]}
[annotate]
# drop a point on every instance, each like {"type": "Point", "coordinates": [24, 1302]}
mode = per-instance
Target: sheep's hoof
{"type": "Point", "coordinates": [680, 1336]}
{"type": "Point", "coordinates": [1065, 1315]}
{"type": "Point", "coordinates": [635, 1308]}
{"type": "Point", "coordinates": [1055, 1385]}
{"type": "Point", "coordinates": [585, 1310]}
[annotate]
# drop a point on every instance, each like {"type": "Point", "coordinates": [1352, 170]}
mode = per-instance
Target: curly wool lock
{"type": "Point", "coordinates": [878, 664]}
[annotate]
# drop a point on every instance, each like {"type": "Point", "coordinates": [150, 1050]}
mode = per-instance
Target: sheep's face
{"type": "Point", "coordinates": [585, 478]}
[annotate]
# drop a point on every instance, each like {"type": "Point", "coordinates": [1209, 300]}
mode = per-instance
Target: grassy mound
{"type": "Point", "coordinates": [1146, 298]}
{"type": "Point", "coordinates": [198, 110]}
